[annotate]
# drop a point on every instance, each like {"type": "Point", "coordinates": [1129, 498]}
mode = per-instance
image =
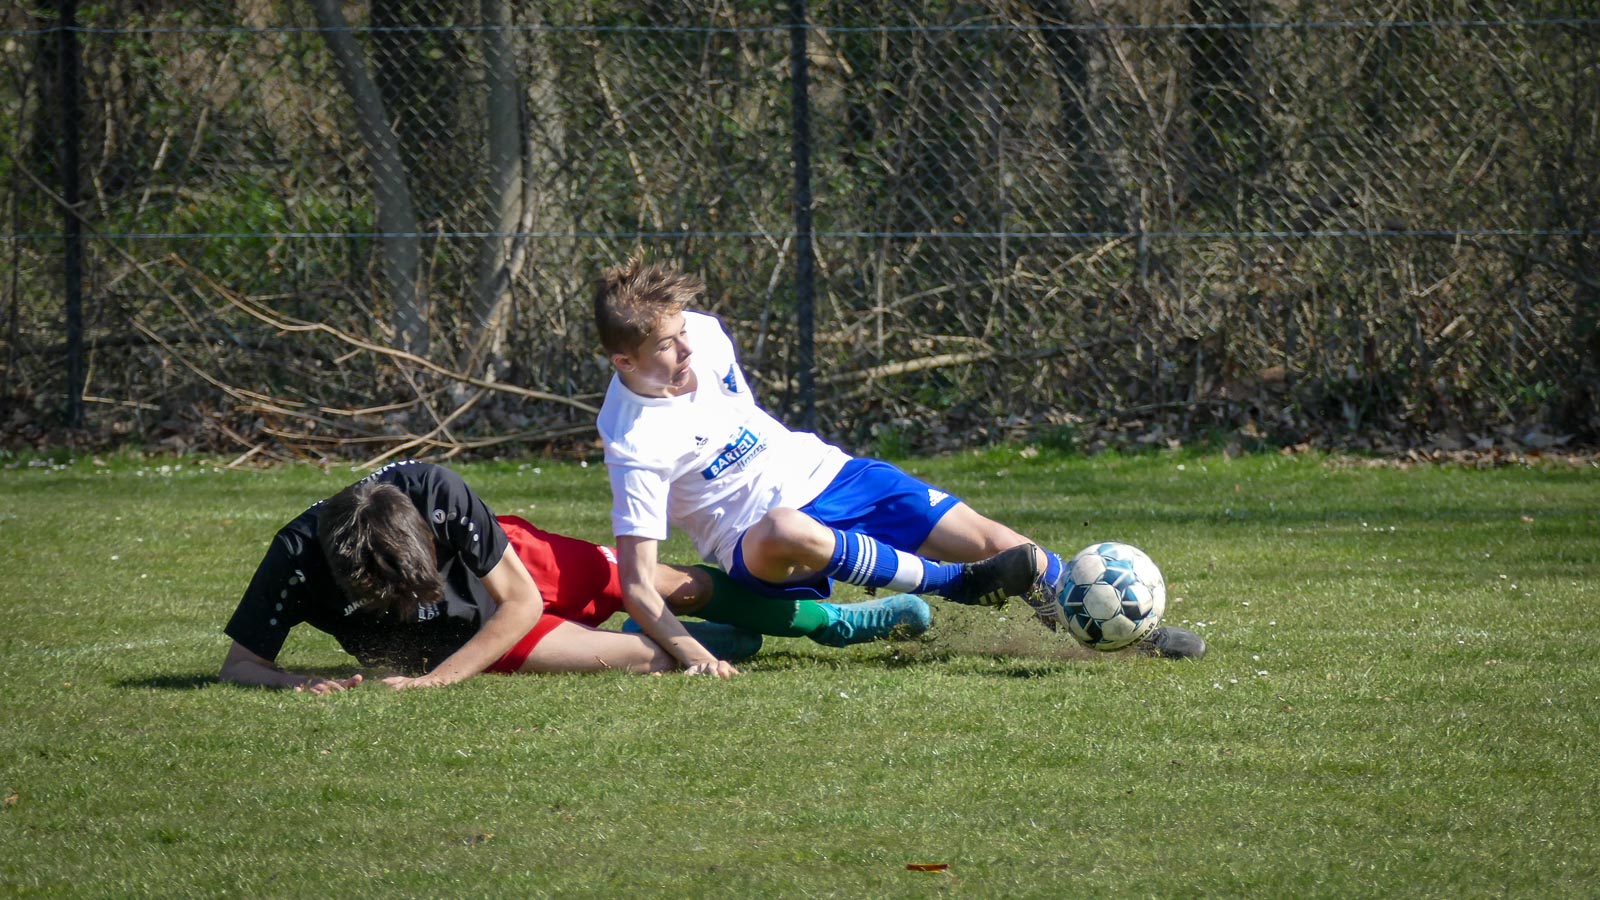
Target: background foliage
{"type": "Point", "coordinates": [1085, 221]}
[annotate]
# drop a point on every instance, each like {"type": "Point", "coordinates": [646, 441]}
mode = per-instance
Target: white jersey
{"type": "Point", "coordinates": [711, 462]}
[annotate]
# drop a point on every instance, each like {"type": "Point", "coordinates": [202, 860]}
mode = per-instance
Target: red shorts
{"type": "Point", "coordinates": [578, 581]}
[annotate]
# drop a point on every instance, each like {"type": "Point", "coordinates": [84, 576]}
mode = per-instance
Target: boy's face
{"type": "Point", "coordinates": [659, 366]}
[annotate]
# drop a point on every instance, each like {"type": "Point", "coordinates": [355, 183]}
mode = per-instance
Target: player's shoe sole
{"type": "Point", "coordinates": [1044, 599]}
{"type": "Point", "coordinates": [1046, 607]}
{"type": "Point", "coordinates": [725, 642]}
{"type": "Point", "coordinates": [897, 616]}
{"type": "Point", "coordinates": [1009, 573]}
{"type": "Point", "coordinates": [1171, 642]}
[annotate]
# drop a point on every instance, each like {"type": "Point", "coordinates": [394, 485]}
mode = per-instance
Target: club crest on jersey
{"type": "Point", "coordinates": [730, 381]}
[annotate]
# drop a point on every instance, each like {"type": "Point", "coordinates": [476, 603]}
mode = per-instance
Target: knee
{"type": "Point", "coordinates": [786, 528]}
{"type": "Point", "coordinates": [784, 542]}
{"type": "Point", "coordinates": [685, 589]}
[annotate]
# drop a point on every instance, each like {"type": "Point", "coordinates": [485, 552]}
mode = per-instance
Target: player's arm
{"type": "Point", "coordinates": [242, 666]}
{"type": "Point", "coordinates": [270, 607]}
{"type": "Point", "coordinates": [518, 608]}
{"type": "Point", "coordinates": [637, 567]}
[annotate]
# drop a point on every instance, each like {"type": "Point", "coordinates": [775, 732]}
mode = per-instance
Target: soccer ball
{"type": "Point", "coordinates": [1112, 596]}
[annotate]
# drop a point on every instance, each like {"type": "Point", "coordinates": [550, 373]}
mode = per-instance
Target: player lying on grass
{"type": "Point", "coordinates": [408, 569]}
{"type": "Point", "coordinates": [781, 511]}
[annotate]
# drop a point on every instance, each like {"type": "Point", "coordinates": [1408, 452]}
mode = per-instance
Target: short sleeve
{"type": "Point", "coordinates": [639, 503]}
{"type": "Point", "coordinates": [458, 517]}
{"type": "Point", "coordinates": [278, 595]}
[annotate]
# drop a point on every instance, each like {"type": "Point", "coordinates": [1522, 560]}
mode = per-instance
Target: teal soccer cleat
{"type": "Point", "coordinates": [725, 642]}
{"type": "Point", "coordinates": [901, 615]}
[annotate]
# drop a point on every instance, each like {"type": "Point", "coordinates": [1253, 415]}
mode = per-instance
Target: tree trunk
{"type": "Point", "coordinates": [1229, 140]}
{"type": "Point", "coordinates": [1094, 179]}
{"type": "Point", "coordinates": [492, 290]}
{"type": "Point", "coordinates": [396, 217]}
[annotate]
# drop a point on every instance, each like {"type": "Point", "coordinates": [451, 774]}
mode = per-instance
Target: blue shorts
{"type": "Point", "coordinates": [870, 497]}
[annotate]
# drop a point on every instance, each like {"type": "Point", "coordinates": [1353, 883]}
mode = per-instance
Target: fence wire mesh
{"type": "Point", "coordinates": [369, 227]}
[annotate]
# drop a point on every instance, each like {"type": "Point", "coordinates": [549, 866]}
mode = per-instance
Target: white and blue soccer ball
{"type": "Point", "coordinates": [1111, 596]}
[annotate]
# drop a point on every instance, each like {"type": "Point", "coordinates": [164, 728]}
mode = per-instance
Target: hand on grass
{"type": "Point", "coordinates": [317, 685]}
{"type": "Point", "coordinates": [402, 682]}
{"type": "Point", "coordinates": [721, 668]}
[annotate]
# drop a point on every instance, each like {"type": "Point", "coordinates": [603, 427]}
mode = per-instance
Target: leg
{"type": "Point", "coordinates": [789, 546]}
{"type": "Point", "coordinates": [687, 589]}
{"type": "Point", "coordinates": [962, 535]}
{"type": "Point", "coordinates": [878, 515]}
{"type": "Point", "coordinates": [711, 594]}
{"type": "Point", "coordinates": [785, 546]}
{"type": "Point", "coordinates": [965, 536]}
{"type": "Point", "coordinates": [831, 624]}
{"type": "Point", "coordinates": [570, 647]}
{"type": "Point", "coordinates": [737, 604]}
{"type": "Point", "coordinates": [580, 581]}
{"type": "Point", "coordinates": [582, 588]}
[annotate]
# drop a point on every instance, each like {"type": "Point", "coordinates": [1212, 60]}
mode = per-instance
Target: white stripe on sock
{"type": "Point", "coordinates": [869, 558]}
{"type": "Point", "coordinates": [853, 573]}
{"type": "Point", "coordinates": [907, 572]}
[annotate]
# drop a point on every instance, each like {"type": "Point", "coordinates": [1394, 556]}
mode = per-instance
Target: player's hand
{"type": "Point", "coordinates": [720, 668]}
{"type": "Point", "coordinates": [327, 685]}
{"type": "Point", "coordinates": [404, 683]}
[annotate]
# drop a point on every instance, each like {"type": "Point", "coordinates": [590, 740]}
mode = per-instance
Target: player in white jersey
{"type": "Point", "coordinates": [781, 511]}
{"type": "Point", "coordinates": [710, 461]}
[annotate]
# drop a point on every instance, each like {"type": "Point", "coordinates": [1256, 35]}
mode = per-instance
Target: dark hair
{"type": "Point", "coordinates": [630, 300]}
{"type": "Point", "coordinates": [379, 548]}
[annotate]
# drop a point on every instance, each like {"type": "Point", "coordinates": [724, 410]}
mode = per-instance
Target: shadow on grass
{"type": "Point", "coordinates": [995, 656]}
{"type": "Point", "coordinates": [185, 681]}
{"type": "Point", "coordinates": [777, 660]}
{"type": "Point", "coordinates": [172, 682]}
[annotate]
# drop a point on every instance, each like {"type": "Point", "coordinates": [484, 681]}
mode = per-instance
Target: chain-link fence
{"type": "Point", "coordinates": [369, 228]}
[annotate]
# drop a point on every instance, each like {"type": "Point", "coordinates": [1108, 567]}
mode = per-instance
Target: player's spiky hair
{"type": "Point", "coordinates": [379, 548]}
{"type": "Point", "coordinates": [630, 300]}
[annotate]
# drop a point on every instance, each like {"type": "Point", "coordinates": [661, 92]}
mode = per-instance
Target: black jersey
{"type": "Point", "coordinates": [293, 584]}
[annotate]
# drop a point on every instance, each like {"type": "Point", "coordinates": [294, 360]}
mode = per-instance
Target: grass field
{"type": "Point", "coordinates": [1402, 699]}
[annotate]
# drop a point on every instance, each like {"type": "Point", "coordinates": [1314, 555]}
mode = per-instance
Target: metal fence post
{"type": "Point", "coordinates": [805, 277]}
{"type": "Point", "coordinates": [71, 193]}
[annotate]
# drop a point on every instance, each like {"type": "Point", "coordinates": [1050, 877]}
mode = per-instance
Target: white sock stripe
{"type": "Point", "coordinates": [853, 554]}
{"type": "Point", "coordinates": [847, 560]}
{"type": "Point", "coordinates": [868, 559]}
{"type": "Point", "coordinates": [908, 572]}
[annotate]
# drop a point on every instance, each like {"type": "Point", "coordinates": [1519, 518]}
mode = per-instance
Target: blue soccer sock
{"type": "Point", "coordinates": [859, 559]}
{"type": "Point", "coordinates": [1054, 569]}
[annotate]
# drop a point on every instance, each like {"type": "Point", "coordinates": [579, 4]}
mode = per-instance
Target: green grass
{"type": "Point", "coordinates": [1402, 699]}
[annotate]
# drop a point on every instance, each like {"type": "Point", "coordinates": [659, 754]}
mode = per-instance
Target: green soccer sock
{"type": "Point", "coordinates": [735, 604]}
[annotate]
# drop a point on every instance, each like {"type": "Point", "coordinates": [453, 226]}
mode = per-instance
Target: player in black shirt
{"type": "Point", "coordinates": [408, 569]}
